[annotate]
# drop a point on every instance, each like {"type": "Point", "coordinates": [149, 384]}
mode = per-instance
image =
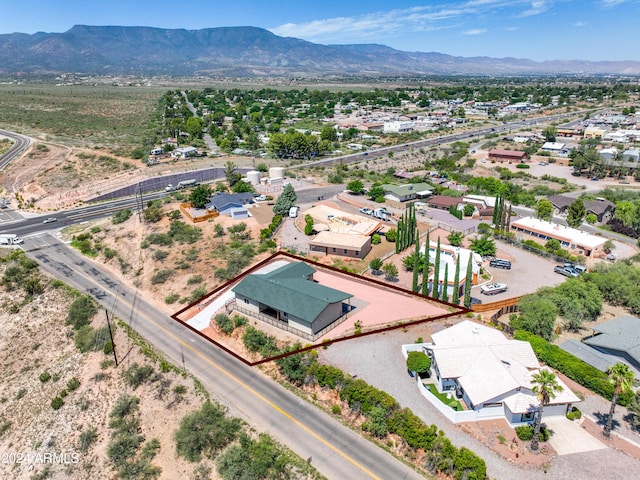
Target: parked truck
{"type": "Point", "coordinates": [187, 183]}
{"type": "Point", "coordinates": [10, 239]}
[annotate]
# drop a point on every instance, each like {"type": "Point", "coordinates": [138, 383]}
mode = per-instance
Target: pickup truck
{"type": "Point", "coordinates": [566, 271]}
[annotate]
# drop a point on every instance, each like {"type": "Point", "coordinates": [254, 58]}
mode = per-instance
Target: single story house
{"type": "Point", "coordinates": [290, 295]}
{"type": "Point", "coordinates": [618, 339]}
{"type": "Point", "coordinates": [490, 372]}
{"type": "Point", "coordinates": [409, 191]}
{"type": "Point", "coordinates": [232, 204]}
{"type": "Point", "coordinates": [576, 241]}
{"type": "Point", "coordinates": [343, 244]}
{"type": "Point", "coordinates": [508, 156]}
{"type": "Point", "coordinates": [448, 258]}
{"type": "Point", "coordinates": [553, 147]}
{"type": "Point", "coordinates": [602, 208]}
{"type": "Point", "coordinates": [443, 202]}
{"type": "Point", "coordinates": [184, 152]}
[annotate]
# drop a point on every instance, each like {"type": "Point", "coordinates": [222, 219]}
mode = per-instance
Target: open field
{"type": "Point", "coordinates": [79, 115]}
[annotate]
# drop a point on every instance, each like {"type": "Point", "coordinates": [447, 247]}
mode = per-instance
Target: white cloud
{"type": "Point", "coordinates": [536, 9]}
{"type": "Point", "coordinates": [511, 29]}
{"type": "Point", "coordinates": [475, 31]}
{"type": "Point", "coordinates": [437, 15]}
{"type": "Point", "coordinates": [580, 24]}
{"type": "Point", "coordinates": [612, 3]}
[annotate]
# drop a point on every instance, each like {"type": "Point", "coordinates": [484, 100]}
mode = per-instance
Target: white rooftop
{"type": "Point", "coordinates": [488, 365]}
{"type": "Point", "coordinates": [563, 232]}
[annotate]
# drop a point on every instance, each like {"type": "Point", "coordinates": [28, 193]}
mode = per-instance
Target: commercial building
{"type": "Point", "coordinates": [508, 156]}
{"type": "Point", "coordinates": [576, 241]}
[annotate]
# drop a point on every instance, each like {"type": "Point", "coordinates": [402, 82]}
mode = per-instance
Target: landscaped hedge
{"type": "Point", "coordinates": [571, 366]}
{"type": "Point", "coordinates": [384, 415]}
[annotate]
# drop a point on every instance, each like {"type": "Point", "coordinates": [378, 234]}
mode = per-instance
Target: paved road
{"type": "Point", "coordinates": [337, 452]}
{"type": "Point", "coordinates": [21, 143]}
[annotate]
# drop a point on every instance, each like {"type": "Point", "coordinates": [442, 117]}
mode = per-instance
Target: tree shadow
{"type": "Point", "coordinates": [601, 419]}
{"type": "Point", "coordinates": [633, 421]}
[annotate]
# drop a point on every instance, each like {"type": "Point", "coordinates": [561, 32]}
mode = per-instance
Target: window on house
{"type": "Point", "coordinates": [357, 253]}
{"type": "Point", "coordinates": [334, 249]}
{"type": "Point", "coordinates": [344, 251]}
{"type": "Point", "coordinates": [246, 300]}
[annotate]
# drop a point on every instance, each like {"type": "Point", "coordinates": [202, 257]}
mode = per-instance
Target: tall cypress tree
{"type": "Point", "coordinates": [425, 271]}
{"type": "Point", "coordinates": [435, 293]}
{"type": "Point", "coordinates": [467, 284]}
{"type": "Point", "coordinates": [456, 282]}
{"type": "Point", "coordinates": [399, 236]}
{"type": "Point", "coordinates": [416, 265]}
{"type": "Point", "coordinates": [445, 283]}
{"type": "Point", "coordinates": [496, 209]}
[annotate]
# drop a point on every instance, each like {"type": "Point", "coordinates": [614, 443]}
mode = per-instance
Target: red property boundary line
{"type": "Point", "coordinates": [458, 309]}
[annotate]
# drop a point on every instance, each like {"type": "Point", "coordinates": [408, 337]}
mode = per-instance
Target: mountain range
{"type": "Point", "coordinates": [249, 51]}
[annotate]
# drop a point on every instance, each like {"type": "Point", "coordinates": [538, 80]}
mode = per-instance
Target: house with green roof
{"type": "Point", "coordinates": [289, 294]}
{"type": "Point", "coordinates": [404, 193]}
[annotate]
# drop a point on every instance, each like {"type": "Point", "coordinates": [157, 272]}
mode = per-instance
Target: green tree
{"type": "Point", "coordinates": [329, 133]}
{"type": "Point", "coordinates": [537, 315]}
{"type": "Point", "coordinates": [195, 127]}
{"type": "Point", "coordinates": [435, 292]}
{"type": "Point", "coordinates": [418, 362]}
{"type": "Point", "coordinates": [285, 201]}
{"type": "Point", "coordinates": [576, 213]}
{"type": "Point", "coordinates": [199, 196]}
{"type": "Point", "coordinates": [455, 238]}
{"type": "Point", "coordinates": [544, 209]}
{"type": "Point", "coordinates": [416, 265]}
{"type": "Point", "coordinates": [483, 246]}
{"type": "Point", "coordinates": [577, 301]}
{"type": "Point", "coordinates": [545, 387]}
{"type": "Point", "coordinates": [445, 283]}
{"type": "Point", "coordinates": [391, 235]}
{"type": "Point", "coordinates": [425, 269]}
{"type": "Point", "coordinates": [376, 192]}
{"type": "Point", "coordinates": [550, 133]}
{"type": "Point", "coordinates": [467, 284]}
{"type": "Point", "coordinates": [242, 187]}
{"type": "Point", "coordinates": [456, 282]}
{"type": "Point", "coordinates": [622, 378]}
{"type": "Point", "coordinates": [356, 187]}
{"type": "Point", "coordinates": [231, 173]}
{"type": "Point", "coordinates": [468, 210]}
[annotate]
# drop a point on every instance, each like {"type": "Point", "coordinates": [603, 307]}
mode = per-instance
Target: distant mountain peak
{"type": "Point", "coordinates": [245, 51]}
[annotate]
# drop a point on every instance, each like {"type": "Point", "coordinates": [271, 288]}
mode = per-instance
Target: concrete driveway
{"type": "Point", "coordinates": [569, 437]}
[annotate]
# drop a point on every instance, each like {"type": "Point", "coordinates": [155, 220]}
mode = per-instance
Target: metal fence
{"type": "Point", "coordinates": [529, 248]}
{"type": "Point", "coordinates": [450, 228]}
{"type": "Point", "coordinates": [234, 306]}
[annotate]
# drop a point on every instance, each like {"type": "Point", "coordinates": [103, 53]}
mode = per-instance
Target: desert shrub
{"type": "Point", "coordinates": [87, 438]}
{"type": "Point", "coordinates": [194, 279]}
{"type": "Point", "coordinates": [183, 233]}
{"type": "Point", "coordinates": [239, 321]}
{"type": "Point", "coordinates": [121, 216]}
{"type": "Point", "coordinates": [160, 255]}
{"type": "Point", "coordinates": [205, 432]}
{"type": "Point", "coordinates": [171, 298]}
{"type": "Point", "coordinates": [224, 323]}
{"type": "Point", "coordinates": [109, 253]}
{"type": "Point", "coordinates": [257, 341]}
{"type": "Point", "coordinates": [73, 384]}
{"type": "Point", "coordinates": [162, 276]}
{"type": "Point", "coordinates": [525, 433]}
{"type": "Point", "coordinates": [197, 293]}
{"type": "Point", "coordinates": [45, 376]}
{"type": "Point", "coordinates": [136, 375]}
{"type": "Point", "coordinates": [81, 311]}
{"type": "Point", "coordinates": [57, 403]}
{"type": "Point", "coordinates": [574, 414]}
{"type": "Point", "coordinates": [159, 239]}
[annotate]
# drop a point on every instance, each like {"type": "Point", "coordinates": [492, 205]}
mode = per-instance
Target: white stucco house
{"type": "Point", "coordinates": [490, 373]}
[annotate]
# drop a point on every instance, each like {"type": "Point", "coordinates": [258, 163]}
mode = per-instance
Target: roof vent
{"type": "Point", "coordinates": [476, 330]}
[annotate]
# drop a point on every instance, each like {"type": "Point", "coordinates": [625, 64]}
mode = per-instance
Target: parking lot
{"type": "Point", "coordinates": [528, 273]}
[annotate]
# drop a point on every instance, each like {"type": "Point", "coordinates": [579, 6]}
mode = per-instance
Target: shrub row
{"type": "Point", "coordinates": [384, 416]}
{"type": "Point", "coordinates": [266, 233]}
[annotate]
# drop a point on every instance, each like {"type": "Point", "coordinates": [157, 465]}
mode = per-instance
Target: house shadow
{"type": "Point", "coordinates": [601, 419]}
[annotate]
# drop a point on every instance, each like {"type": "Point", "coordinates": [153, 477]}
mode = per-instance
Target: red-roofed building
{"type": "Point", "coordinates": [508, 156]}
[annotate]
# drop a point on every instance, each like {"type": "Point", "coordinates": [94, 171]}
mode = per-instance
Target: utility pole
{"type": "Point", "coordinates": [113, 344]}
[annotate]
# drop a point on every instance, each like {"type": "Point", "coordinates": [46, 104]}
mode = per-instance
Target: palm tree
{"type": "Point", "coordinates": [622, 377]}
{"type": "Point", "coordinates": [545, 388]}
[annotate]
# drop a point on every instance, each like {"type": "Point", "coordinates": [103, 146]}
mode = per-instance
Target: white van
{"type": "Point", "coordinates": [293, 212]}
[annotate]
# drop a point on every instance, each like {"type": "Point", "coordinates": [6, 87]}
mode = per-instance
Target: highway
{"type": "Point", "coordinates": [21, 143]}
{"type": "Point", "coordinates": [336, 451]}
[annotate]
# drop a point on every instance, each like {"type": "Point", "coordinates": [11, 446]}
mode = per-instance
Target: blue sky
{"type": "Point", "coordinates": [538, 29]}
